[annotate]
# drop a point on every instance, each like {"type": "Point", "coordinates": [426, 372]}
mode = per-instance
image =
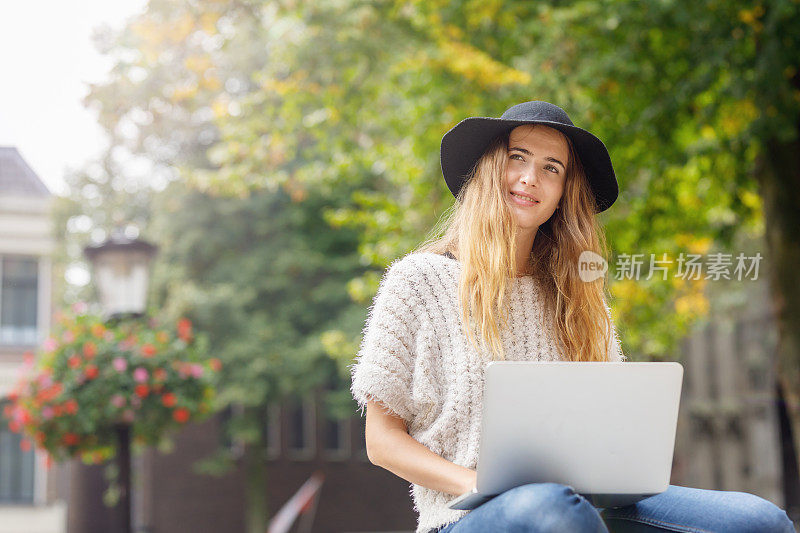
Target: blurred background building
{"type": "Point", "coordinates": [27, 488]}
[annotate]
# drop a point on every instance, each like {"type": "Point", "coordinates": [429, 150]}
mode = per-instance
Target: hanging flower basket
{"type": "Point", "coordinates": [92, 376]}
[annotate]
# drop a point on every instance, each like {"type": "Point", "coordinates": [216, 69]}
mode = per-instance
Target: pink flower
{"type": "Point", "coordinates": [79, 308]}
{"type": "Point", "coordinates": [45, 380]}
{"type": "Point", "coordinates": [118, 400]}
{"type": "Point", "coordinates": [47, 412]}
{"type": "Point", "coordinates": [136, 402]}
{"type": "Point", "coordinates": [50, 344]}
{"type": "Point", "coordinates": [120, 364]}
{"type": "Point", "coordinates": [68, 336]}
{"type": "Point", "coordinates": [128, 416]}
{"type": "Point", "coordinates": [196, 370]}
{"type": "Point", "coordinates": [140, 375]}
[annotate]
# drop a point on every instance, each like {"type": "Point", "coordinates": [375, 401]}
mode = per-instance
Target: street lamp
{"type": "Point", "coordinates": [121, 271]}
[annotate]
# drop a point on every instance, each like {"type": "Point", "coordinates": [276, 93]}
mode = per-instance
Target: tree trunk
{"type": "Point", "coordinates": [778, 173]}
{"type": "Point", "coordinates": [255, 469]}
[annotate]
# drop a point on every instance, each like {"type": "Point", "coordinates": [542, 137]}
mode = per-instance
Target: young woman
{"type": "Point", "coordinates": [499, 280]}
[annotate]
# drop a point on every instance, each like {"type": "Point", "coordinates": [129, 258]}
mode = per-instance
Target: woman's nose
{"type": "Point", "coordinates": [528, 178]}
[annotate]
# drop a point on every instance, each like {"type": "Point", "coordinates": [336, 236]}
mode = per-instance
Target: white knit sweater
{"type": "Point", "coordinates": [415, 359]}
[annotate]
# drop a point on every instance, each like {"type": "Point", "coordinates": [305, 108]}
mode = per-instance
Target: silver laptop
{"type": "Point", "coordinates": [605, 429]}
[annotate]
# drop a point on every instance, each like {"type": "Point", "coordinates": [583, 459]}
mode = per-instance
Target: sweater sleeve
{"type": "Point", "coordinates": [615, 354]}
{"type": "Point", "coordinates": [383, 369]}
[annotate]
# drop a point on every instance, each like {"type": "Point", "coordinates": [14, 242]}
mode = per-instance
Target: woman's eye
{"type": "Point", "coordinates": [517, 155]}
{"type": "Point", "coordinates": [554, 168]}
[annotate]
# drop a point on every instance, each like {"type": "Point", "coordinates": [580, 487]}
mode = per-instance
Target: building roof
{"type": "Point", "coordinates": [16, 177]}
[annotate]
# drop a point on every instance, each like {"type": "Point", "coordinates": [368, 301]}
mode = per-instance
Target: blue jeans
{"type": "Point", "coordinates": [552, 507]}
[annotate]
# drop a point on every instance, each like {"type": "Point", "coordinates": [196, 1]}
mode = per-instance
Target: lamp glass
{"type": "Point", "coordinates": [122, 279]}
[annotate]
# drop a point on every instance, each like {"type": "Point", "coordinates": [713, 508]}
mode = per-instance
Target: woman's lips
{"type": "Point", "coordinates": [521, 201]}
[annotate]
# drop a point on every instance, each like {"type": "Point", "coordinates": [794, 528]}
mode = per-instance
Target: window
{"type": "Point", "coordinates": [300, 422]}
{"type": "Point", "coordinates": [16, 467]}
{"type": "Point", "coordinates": [360, 448]}
{"type": "Point", "coordinates": [335, 435]}
{"type": "Point", "coordinates": [273, 431]}
{"type": "Point", "coordinates": [234, 446]}
{"type": "Point", "coordinates": [18, 300]}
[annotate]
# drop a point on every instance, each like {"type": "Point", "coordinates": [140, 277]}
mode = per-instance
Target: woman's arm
{"type": "Point", "coordinates": [391, 447]}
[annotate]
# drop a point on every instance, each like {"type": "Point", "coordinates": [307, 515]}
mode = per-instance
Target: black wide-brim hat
{"type": "Point", "coordinates": [464, 144]}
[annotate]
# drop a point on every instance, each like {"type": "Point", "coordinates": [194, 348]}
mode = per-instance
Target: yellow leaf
{"type": "Point", "coordinates": [208, 22]}
{"type": "Point", "coordinates": [184, 92]}
{"type": "Point", "coordinates": [751, 199]}
{"type": "Point", "coordinates": [220, 107]}
{"type": "Point", "coordinates": [700, 246]}
{"type": "Point", "coordinates": [181, 29]}
{"type": "Point", "coordinates": [198, 63]}
{"type": "Point", "coordinates": [477, 66]}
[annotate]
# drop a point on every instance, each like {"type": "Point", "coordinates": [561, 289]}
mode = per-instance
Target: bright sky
{"type": "Point", "coordinates": [46, 59]}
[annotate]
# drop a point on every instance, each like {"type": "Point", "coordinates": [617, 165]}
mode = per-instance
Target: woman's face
{"type": "Point", "coordinates": [537, 160]}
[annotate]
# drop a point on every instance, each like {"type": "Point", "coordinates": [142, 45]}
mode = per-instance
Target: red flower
{"type": "Point", "coordinates": [89, 350]}
{"type": "Point", "coordinates": [47, 394]}
{"type": "Point", "coordinates": [185, 329]}
{"type": "Point", "coordinates": [181, 415]}
{"type": "Point", "coordinates": [70, 439]}
{"type": "Point", "coordinates": [142, 390]}
{"type": "Point", "coordinates": [14, 426]}
{"type": "Point", "coordinates": [148, 350]}
{"type": "Point", "coordinates": [25, 445]}
{"type": "Point", "coordinates": [74, 361]}
{"type": "Point", "coordinates": [91, 371]}
{"type": "Point", "coordinates": [159, 374]}
{"type": "Point", "coordinates": [58, 410]}
{"type": "Point", "coordinates": [215, 364]}
{"type": "Point", "coordinates": [26, 417]}
{"type": "Point", "coordinates": [71, 406]}
{"type": "Point", "coordinates": [168, 399]}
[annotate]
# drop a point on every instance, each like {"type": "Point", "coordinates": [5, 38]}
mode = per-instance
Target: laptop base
{"type": "Point", "coordinates": [608, 501]}
{"type": "Point", "coordinates": [471, 500]}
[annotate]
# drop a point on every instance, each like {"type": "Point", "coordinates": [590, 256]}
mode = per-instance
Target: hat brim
{"type": "Point", "coordinates": [464, 144]}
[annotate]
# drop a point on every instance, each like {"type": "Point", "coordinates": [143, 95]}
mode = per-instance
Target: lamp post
{"type": "Point", "coordinates": [121, 269]}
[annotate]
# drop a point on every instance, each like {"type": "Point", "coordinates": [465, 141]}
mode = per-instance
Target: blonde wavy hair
{"type": "Point", "coordinates": [479, 230]}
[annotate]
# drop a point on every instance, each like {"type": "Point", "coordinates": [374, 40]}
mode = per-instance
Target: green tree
{"type": "Point", "coordinates": [263, 276]}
